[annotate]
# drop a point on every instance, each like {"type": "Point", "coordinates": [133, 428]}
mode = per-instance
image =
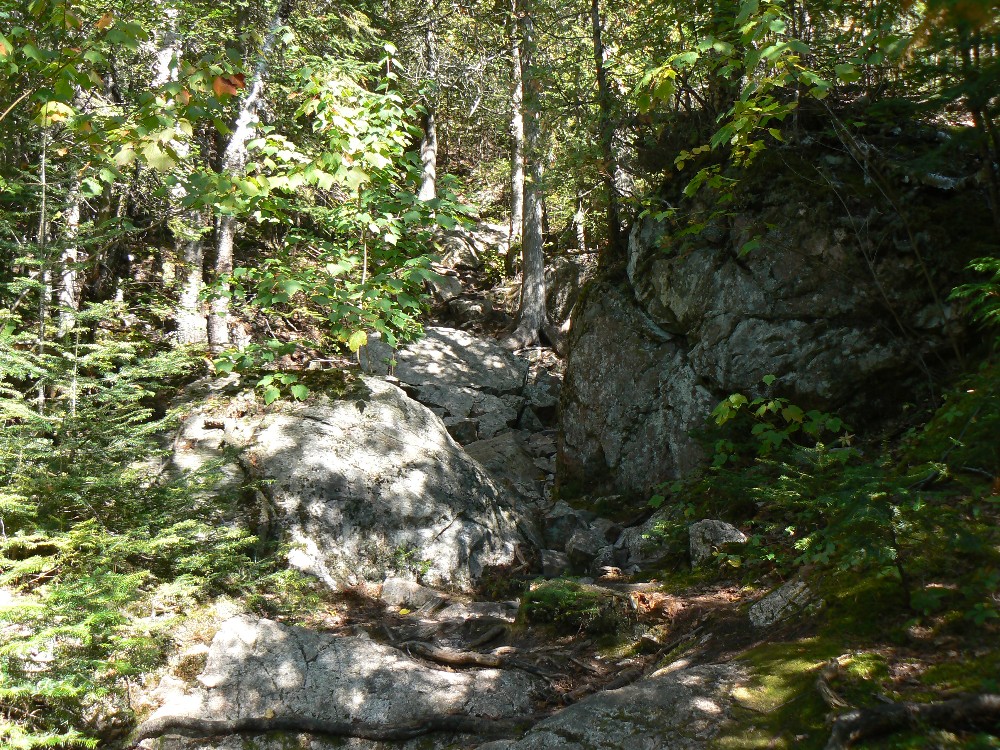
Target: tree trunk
{"type": "Point", "coordinates": [192, 327]}
{"type": "Point", "coordinates": [429, 143]}
{"type": "Point", "coordinates": [615, 251]}
{"type": "Point", "coordinates": [188, 230]}
{"type": "Point", "coordinates": [531, 318]}
{"type": "Point", "coordinates": [517, 146]}
{"type": "Point", "coordinates": [579, 217]}
{"type": "Point", "coordinates": [234, 159]}
{"type": "Point", "coordinates": [69, 289]}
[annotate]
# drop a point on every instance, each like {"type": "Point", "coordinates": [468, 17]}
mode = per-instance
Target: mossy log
{"type": "Point", "coordinates": [975, 712]}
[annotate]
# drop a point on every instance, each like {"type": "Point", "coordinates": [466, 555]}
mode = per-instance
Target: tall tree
{"type": "Point", "coordinates": [612, 169]}
{"type": "Point", "coordinates": [516, 141]}
{"type": "Point", "coordinates": [532, 318]}
{"type": "Point", "coordinates": [429, 141]}
{"type": "Point", "coordinates": [234, 160]}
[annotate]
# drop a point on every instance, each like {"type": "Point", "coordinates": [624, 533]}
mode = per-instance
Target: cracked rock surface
{"type": "Point", "coordinates": [680, 710]}
{"type": "Point", "coordinates": [260, 668]}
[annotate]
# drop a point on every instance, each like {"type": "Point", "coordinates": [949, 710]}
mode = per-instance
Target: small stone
{"type": "Point", "coordinates": [792, 597]}
{"type": "Point", "coordinates": [561, 522]}
{"type": "Point", "coordinates": [583, 547]}
{"type": "Point", "coordinates": [606, 528]}
{"type": "Point", "coordinates": [708, 535]}
{"type": "Point", "coordinates": [399, 592]}
{"type": "Point", "coordinates": [464, 430]}
{"type": "Point", "coordinates": [444, 288]}
{"type": "Point", "coordinates": [530, 422]}
{"type": "Point", "coordinates": [547, 465]}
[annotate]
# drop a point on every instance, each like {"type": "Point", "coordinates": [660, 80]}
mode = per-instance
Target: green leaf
{"type": "Point", "coordinates": [158, 158]}
{"type": "Point", "coordinates": [769, 379]}
{"type": "Point", "coordinates": [299, 391]}
{"type": "Point", "coordinates": [357, 340]}
{"type": "Point", "coordinates": [271, 394]}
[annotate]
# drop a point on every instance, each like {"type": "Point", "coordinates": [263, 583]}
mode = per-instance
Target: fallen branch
{"type": "Point", "coordinates": [976, 712]}
{"type": "Point", "coordinates": [454, 723]}
{"type": "Point", "coordinates": [830, 696]}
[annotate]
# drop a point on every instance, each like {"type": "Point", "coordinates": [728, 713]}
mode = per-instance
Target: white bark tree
{"type": "Point", "coordinates": [517, 145]}
{"type": "Point", "coordinates": [429, 142]}
{"type": "Point", "coordinates": [234, 159]}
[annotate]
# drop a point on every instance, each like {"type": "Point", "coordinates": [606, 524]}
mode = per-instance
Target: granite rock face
{"type": "Point", "coordinates": [652, 354]}
{"type": "Point", "coordinates": [370, 486]}
{"type": "Point", "coordinates": [261, 669]}
{"type": "Point", "coordinates": [680, 710]}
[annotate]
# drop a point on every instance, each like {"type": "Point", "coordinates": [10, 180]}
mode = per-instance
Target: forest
{"type": "Point", "coordinates": [674, 324]}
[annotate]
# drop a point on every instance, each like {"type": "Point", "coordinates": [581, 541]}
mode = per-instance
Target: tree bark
{"type": "Point", "coordinates": [429, 143]}
{"type": "Point", "coordinates": [977, 711]}
{"type": "Point", "coordinates": [579, 223]}
{"type": "Point", "coordinates": [69, 288]}
{"type": "Point", "coordinates": [613, 179]}
{"type": "Point", "coordinates": [189, 228]}
{"type": "Point", "coordinates": [532, 317]}
{"type": "Point", "coordinates": [234, 159]}
{"type": "Point", "coordinates": [517, 146]}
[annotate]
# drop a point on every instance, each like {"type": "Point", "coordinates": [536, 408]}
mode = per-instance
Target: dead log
{"type": "Point", "coordinates": [959, 714]}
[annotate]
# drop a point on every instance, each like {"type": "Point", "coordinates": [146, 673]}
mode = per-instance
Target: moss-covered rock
{"type": "Point", "coordinates": [576, 607]}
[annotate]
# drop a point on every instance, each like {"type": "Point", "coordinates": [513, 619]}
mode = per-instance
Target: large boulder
{"type": "Point", "coordinates": [260, 669]}
{"type": "Point", "coordinates": [364, 486]}
{"type": "Point", "coordinates": [680, 710]}
{"type": "Point", "coordinates": [843, 329]}
{"type": "Point", "coordinates": [629, 400]}
{"type": "Point", "coordinates": [374, 485]}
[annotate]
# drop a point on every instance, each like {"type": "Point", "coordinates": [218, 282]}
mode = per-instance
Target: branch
{"type": "Point", "coordinates": [975, 712]}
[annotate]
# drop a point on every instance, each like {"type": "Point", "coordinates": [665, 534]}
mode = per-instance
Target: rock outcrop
{"type": "Point", "coordinates": [650, 355]}
{"type": "Point", "coordinates": [681, 710]}
{"type": "Point", "coordinates": [261, 670]}
{"type": "Point", "coordinates": [366, 486]}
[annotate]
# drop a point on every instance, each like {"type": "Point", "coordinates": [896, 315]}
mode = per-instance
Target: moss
{"type": "Point", "coordinates": [335, 383]}
{"type": "Point", "coordinates": [574, 607]}
{"type": "Point", "coordinates": [974, 674]}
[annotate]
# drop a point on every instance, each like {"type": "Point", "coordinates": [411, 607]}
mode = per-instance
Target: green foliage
{"type": "Point", "coordinates": [807, 504]}
{"type": "Point", "coordinates": [575, 607]}
{"type": "Point", "coordinates": [102, 549]}
{"type": "Point", "coordinates": [773, 422]}
{"type": "Point", "coordinates": [983, 297]}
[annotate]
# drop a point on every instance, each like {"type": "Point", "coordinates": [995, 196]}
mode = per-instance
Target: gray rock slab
{"type": "Point", "coordinates": [449, 357]}
{"type": "Point", "coordinates": [507, 461]}
{"type": "Point", "coordinates": [790, 598]}
{"type": "Point", "coordinates": [260, 668]}
{"type": "Point", "coordinates": [708, 535]}
{"type": "Point", "coordinates": [670, 710]}
{"type": "Point", "coordinates": [400, 592]}
{"type": "Point", "coordinates": [373, 486]}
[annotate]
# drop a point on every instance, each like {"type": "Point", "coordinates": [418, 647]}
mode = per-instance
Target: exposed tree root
{"type": "Point", "coordinates": [451, 657]}
{"type": "Point", "coordinates": [976, 712]}
{"type": "Point", "coordinates": [458, 724]}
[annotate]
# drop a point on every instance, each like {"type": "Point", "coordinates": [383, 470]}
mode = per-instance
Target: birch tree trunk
{"type": "Point", "coordinates": [517, 146]}
{"type": "Point", "coordinates": [188, 229]}
{"type": "Point", "coordinates": [69, 289]}
{"type": "Point", "coordinates": [532, 317]}
{"type": "Point", "coordinates": [429, 142]}
{"type": "Point", "coordinates": [234, 159]}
